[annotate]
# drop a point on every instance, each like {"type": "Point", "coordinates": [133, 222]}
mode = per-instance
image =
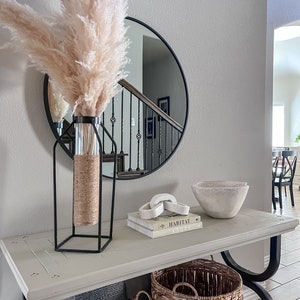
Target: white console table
{"type": "Point", "coordinates": [43, 273]}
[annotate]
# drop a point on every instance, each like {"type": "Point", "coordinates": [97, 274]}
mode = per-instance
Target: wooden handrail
{"type": "Point", "coordinates": [151, 104]}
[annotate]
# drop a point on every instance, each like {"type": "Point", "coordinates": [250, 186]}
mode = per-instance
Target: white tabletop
{"type": "Point", "coordinates": [43, 273]}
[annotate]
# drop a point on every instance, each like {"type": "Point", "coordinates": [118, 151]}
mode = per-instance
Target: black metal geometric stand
{"type": "Point", "coordinates": [100, 240]}
{"type": "Point", "coordinates": [250, 279]}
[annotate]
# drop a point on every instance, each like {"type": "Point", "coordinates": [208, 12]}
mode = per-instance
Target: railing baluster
{"type": "Point", "coordinates": [146, 162]}
{"type": "Point", "coordinates": [103, 134]}
{"type": "Point", "coordinates": [138, 136]}
{"type": "Point", "coordinates": [122, 121]}
{"type": "Point", "coordinates": [130, 134]}
{"type": "Point", "coordinates": [152, 142]}
{"type": "Point", "coordinates": [113, 121]}
{"type": "Point", "coordinates": [159, 139]}
{"type": "Point", "coordinates": [172, 138]}
{"type": "Point", "coordinates": [166, 138]}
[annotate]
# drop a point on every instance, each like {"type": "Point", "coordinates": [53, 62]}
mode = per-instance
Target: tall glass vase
{"type": "Point", "coordinates": [86, 172]}
{"type": "Point", "coordinates": [59, 127]}
{"type": "Point", "coordinates": [86, 205]}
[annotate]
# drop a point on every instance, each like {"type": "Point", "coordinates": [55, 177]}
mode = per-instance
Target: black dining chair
{"type": "Point", "coordinates": [283, 175]}
{"type": "Point", "coordinates": [275, 158]}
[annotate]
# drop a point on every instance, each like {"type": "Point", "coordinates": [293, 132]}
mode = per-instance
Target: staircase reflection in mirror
{"type": "Point", "coordinates": [145, 134]}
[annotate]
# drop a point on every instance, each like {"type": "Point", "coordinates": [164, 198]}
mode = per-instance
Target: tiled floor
{"type": "Point", "coordinates": [285, 284]}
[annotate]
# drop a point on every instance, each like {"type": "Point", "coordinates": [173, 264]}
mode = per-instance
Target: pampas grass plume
{"type": "Point", "coordinates": [82, 49]}
{"type": "Point", "coordinates": [57, 105]}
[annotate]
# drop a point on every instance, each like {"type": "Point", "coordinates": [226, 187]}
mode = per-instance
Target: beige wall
{"type": "Point", "coordinates": [223, 58]}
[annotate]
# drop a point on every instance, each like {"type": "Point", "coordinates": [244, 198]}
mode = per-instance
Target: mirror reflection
{"type": "Point", "coordinates": [148, 116]}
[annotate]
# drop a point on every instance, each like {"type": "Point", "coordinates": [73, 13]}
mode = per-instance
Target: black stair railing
{"type": "Point", "coordinates": [146, 136]}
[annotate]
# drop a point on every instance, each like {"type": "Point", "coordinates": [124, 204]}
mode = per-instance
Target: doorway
{"type": "Point", "coordinates": [286, 86]}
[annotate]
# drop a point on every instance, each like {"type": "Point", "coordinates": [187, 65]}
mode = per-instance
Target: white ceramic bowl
{"type": "Point", "coordinates": [220, 199]}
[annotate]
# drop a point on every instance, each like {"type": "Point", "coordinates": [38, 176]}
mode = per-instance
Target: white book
{"type": "Point", "coordinates": [163, 232]}
{"type": "Point", "coordinates": [164, 221]}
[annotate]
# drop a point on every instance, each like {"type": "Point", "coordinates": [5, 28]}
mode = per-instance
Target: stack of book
{"type": "Point", "coordinates": [164, 224]}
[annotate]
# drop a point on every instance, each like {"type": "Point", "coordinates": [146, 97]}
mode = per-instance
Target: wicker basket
{"type": "Point", "coordinates": [197, 280]}
{"type": "Point", "coordinates": [137, 297]}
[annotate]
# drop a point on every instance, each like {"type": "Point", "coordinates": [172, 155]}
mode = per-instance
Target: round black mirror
{"type": "Point", "coordinates": [148, 117]}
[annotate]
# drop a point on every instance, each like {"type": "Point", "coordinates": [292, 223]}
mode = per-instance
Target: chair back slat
{"type": "Point", "coordinates": [289, 162]}
{"type": "Point", "coordinates": [275, 158]}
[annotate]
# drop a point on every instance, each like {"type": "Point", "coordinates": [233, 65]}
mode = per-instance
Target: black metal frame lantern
{"type": "Point", "coordinates": [73, 242]}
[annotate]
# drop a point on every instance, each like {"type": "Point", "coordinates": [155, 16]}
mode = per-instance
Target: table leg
{"type": "Point", "coordinates": [258, 289]}
{"type": "Point", "coordinates": [250, 278]}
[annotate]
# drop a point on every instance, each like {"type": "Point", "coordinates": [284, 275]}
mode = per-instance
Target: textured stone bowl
{"type": "Point", "coordinates": [220, 199]}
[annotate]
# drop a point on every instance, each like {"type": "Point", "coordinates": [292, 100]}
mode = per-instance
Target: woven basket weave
{"type": "Point", "coordinates": [137, 297]}
{"type": "Point", "coordinates": [197, 280]}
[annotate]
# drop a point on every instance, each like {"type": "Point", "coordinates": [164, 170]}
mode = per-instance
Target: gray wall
{"type": "Point", "coordinates": [224, 63]}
